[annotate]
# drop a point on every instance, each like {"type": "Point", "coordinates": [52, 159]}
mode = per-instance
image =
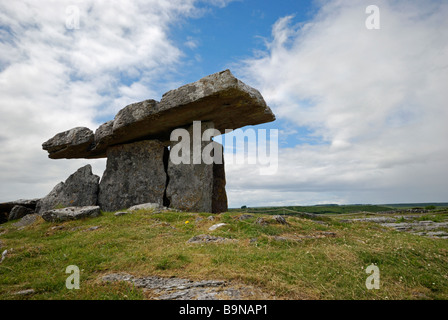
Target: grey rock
{"type": "Point", "coordinates": [219, 97]}
{"type": "Point", "coordinates": [27, 220]}
{"type": "Point", "coordinates": [145, 206]}
{"type": "Point", "coordinates": [103, 138]}
{"type": "Point", "coordinates": [216, 226]}
{"type": "Point", "coordinates": [280, 220]}
{"type": "Point", "coordinates": [71, 213]}
{"type": "Point", "coordinates": [261, 221]}
{"type": "Point", "coordinates": [285, 239]}
{"type": "Point", "coordinates": [197, 187]}
{"type": "Point", "coordinates": [433, 234]}
{"type": "Point", "coordinates": [135, 174]}
{"type": "Point", "coordinates": [245, 217]}
{"type": "Point", "coordinates": [376, 219]}
{"type": "Point", "coordinates": [132, 119]}
{"type": "Point", "coordinates": [299, 238]}
{"type": "Point", "coordinates": [120, 213]}
{"type": "Point", "coordinates": [24, 292]}
{"type": "Point", "coordinates": [79, 190]}
{"type": "Point", "coordinates": [4, 253]}
{"type": "Point", "coordinates": [73, 143]}
{"type": "Point", "coordinates": [178, 288]}
{"type": "Point", "coordinates": [416, 226]}
{"type": "Point", "coordinates": [321, 223]}
{"type": "Point", "coordinates": [19, 212]}
{"type": "Point", "coordinates": [6, 207]}
{"type": "Point", "coordinates": [205, 238]}
{"type": "Point", "coordinates": [93, 228]}
{"type": "Point", "coordinates": [211, 218]}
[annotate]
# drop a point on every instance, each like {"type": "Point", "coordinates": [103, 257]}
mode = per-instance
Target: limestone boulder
{"type": "Point", "coordinates": [71, 213]}
{"type": "Point", "coordinates": [145, 206]}
{"type": "Point", "coordinates": [19, 212]}
{"type": "Point", "coordinates": [6, 207]}
{"type": "Point", "coordinates": [74, 143]}
{"type": "Point", "coordinates": [80, 189]}
{"type": "Point", "coordinates": [135, 174]}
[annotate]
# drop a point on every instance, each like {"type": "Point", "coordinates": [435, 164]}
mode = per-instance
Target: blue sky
{"type": "Point", "coordinates": [227, 35]}
{"type": "Point", "coordinates": [361, 113]}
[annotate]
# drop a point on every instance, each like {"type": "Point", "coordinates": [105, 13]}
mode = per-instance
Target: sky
{"type": "Point", "coordinates": [361, 113]}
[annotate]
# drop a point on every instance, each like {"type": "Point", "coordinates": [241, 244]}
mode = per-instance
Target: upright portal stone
{"type": "Point", "coordinates": [80, 189]}
{"type": "Point", "coordinates": [197, 187]}
{"type": "Point", "coordinates": [135, 174]}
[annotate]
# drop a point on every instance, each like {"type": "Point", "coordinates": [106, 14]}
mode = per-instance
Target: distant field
{"type": "Point", "coordinates": [336, 209]}
{"type": "Point", "coordinates": [321, 209]}
{"type": "Point", "coordinates": [417, 205]}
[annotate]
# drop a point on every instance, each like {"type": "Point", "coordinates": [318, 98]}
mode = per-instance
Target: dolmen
{"type": "Point", "coordinates": [138, 143]}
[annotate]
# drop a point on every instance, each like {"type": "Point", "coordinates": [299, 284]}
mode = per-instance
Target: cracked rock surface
{"type": "Point", "coordinates": [183, 289]}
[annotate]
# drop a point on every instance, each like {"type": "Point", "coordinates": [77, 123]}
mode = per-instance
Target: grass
{"type": "Point", "coordinates": [143, 243]}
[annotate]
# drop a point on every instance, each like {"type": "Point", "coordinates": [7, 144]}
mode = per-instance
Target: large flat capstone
{"type": "Point", "coordinates": [220, 98]}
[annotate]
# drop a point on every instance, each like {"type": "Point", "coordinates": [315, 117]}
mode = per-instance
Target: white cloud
{"type": "Point", "coordinates": [376, 97]}
{"type": "Point", "coordinates": [53, 78]}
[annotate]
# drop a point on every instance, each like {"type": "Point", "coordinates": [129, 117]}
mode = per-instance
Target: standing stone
{"type": "Point", "coordinates": [80, 189]}
{"type": "Point", "coordinates": [197, 187]}
{"type": "Point", "coordinates": [135, 174]}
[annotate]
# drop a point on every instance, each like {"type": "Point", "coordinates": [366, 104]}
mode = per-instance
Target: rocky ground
{"type": "Point", "coordinates": [428, 224]}
{"type": "Point", "coordinates": [184, 289]}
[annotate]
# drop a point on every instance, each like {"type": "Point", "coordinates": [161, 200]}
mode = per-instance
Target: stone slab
{"type": "Point", "coordinates": [135, 174]}
{"type": "Point", "coordinates": [221, 98]}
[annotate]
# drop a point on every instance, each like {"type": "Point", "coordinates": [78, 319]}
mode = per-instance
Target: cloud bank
{"type": "Point", "coordinates": [368, 106]}
{"type": "Point", "coordinates": [373, 102]}
{"type": "Point", "coordinates": [55, 76]}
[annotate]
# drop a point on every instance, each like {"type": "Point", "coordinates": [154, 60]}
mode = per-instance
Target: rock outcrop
{"type": "Point", "coordinates": [80, 189]}
{"type": "Point", "coordinates": [135, 174]}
